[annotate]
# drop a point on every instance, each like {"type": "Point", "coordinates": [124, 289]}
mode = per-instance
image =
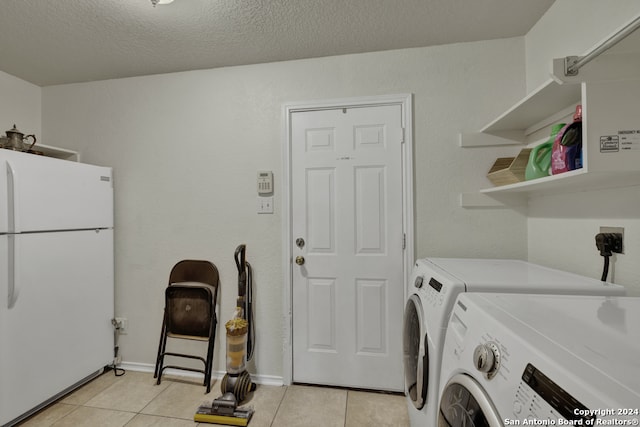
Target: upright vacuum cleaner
{"type": "Point", "coordinates": [236, 383]}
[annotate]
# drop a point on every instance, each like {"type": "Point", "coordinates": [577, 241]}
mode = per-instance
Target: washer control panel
{"type": "Point", "coordinates": [539, 398]}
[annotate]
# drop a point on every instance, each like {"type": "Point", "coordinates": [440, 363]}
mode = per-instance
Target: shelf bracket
{"type": "Point", "coordinates": [479, 200]}
{"type": "Point", "coordinates": [619, 66]}
{"type": "Point", "coordinates": [494, 201]}
{"type": "Point", "coordinates": [570, 67]}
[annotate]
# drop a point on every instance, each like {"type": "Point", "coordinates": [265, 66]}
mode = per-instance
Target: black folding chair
{"type": "Point", "coordinates": [190, 313]}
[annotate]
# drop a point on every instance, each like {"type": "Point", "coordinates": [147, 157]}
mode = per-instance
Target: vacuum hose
{"type": "Point", "coordinates": [245, 295]}
{"type": "Point", "coordinates": [251, 337]}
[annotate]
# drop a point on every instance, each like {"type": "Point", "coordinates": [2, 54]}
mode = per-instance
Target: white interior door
{"type": "Point", "coordinates": [347, 207]}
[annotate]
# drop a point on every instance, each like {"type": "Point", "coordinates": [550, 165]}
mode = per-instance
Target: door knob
{"type": "Point", "coordinates": [299, 260]}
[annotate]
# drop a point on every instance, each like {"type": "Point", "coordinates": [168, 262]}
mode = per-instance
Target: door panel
{"type": "Point", "coordinates": [320, 210]}
{"type": "Point", "coordinates": [347, 206]}
{"type": "Point", "coordinates": [321, 318]}
{"type": "Point", "coordinates": [369, 210]}
{"type": "Point", "coordinates": [371, 309]}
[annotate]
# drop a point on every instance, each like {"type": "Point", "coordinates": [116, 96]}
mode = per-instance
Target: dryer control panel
{"type": "Point", "coordinates": [434, 292]}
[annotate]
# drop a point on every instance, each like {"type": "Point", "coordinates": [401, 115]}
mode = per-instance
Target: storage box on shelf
{"type": "Point", "coordinates": [509, 170]}
{"type": "Point", "coordinates": [610, 135]}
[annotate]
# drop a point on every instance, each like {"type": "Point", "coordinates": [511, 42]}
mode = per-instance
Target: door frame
{"type": "Point", "coordinates": [405, 102]}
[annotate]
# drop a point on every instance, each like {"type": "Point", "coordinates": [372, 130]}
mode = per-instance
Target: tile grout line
{"type": "Point", "coordinates": [89, 407]}
{"type": "Point", "coordinates": [65, 415]}
{"type": "Point", "coordinates": [154, 398]}
{"type": "Point", "coordinates": [135, 413]}
{"type": "Point", "coordinates": [346, 408]}
{"type": "Point", "coordinates": [279, 405]}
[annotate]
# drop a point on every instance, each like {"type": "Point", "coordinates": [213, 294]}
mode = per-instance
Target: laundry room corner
{"type": "Point", "coordinates": [561, 229]}
{"type": "Point", "coordinates": [25, 106]}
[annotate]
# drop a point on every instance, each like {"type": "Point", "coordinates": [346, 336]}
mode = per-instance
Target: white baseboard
{"type": "Point", "coordinates": [149, 368]}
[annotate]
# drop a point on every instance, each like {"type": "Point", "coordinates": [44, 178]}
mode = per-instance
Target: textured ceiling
{"type": "Point", "coordinates": [50, 42]}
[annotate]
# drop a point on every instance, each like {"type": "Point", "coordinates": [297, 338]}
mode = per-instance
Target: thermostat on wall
{"type": "Point", "coordinates": [265, 183]}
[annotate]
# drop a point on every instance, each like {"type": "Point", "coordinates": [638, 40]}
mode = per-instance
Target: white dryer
{"type": "Point", "coordinates": [434, 285]}
{"type": "Point", "coordinates": [541, 360]}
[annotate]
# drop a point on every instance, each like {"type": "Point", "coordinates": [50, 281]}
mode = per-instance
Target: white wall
{"type": "Point", "coordinates": [562, 229]}
{"type": "Point", "coordinates": [573, 27]}
{"type": "Point", "coordinates": [185, 149]}
{"type": "Point", "coordinates": [21, 105]}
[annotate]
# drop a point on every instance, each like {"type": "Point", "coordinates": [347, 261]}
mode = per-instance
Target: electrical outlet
{"type": "Point", "coordinates": [121, 323]}
{"type": "Point", "coordinates": [618, 230]}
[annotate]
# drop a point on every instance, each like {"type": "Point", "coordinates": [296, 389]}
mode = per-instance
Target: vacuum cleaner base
{"type": "Point", "coordinates": [240, 418]}
{"type": "Point", "coordinates": [224, 410]}
{"type": "Point", "coordinates": [238, 384]}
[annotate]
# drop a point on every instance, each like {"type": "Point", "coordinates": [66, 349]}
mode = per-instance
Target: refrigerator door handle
{"type": "Point", "coordinates": [12, 199]}
{"type": "Point", "coordinates": [13, 271]}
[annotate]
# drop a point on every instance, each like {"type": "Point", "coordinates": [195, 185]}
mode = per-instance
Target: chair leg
{"type": "Point", "coordinates": [161, 349]}
{"type": "Point", "coordinates": [209, 363]}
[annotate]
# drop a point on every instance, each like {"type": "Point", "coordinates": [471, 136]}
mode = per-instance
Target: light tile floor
{"type": "Point", "coordinates": [134, 400]}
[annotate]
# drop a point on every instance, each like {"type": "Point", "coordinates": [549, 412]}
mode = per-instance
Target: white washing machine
{"type": "Point", "coordinates": [434, 285]}
{"type": "Point", "coordinates": [541, 360]}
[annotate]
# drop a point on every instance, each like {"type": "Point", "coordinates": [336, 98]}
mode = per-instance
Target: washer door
{"type": "Point", "coordinates": [416, 359]}
{"type": "Point", "coordinates": [464, 403]}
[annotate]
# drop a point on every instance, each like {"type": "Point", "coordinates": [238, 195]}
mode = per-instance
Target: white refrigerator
{"type": "Point", "coordinates": [56, 279]}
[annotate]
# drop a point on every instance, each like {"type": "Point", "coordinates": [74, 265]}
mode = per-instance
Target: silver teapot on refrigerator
{"type": "Point", "coordinates": [15, 140]}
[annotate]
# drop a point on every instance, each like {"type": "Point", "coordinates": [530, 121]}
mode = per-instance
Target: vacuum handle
{"type": "Point", "coordinates": [240, 257]}
{"type": "Point", "coordinates": [242, 271]}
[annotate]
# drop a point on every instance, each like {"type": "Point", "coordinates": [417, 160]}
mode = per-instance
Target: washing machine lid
{"type": "Point", "coordinates": [464, 403]}
{"type": "Point", "coordinates": [510, 275]}
{"type": "Point", "coordinates": [603, 332]}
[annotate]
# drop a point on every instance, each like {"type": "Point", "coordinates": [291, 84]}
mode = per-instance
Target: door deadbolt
{"type": "Point", "coordinates": [300, 242]}
{"type": "Point", "coordinates": [299, 260]}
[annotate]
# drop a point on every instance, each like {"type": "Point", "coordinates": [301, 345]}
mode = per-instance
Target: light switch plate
{"type": "Point", "coordinates": [265, 205]}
